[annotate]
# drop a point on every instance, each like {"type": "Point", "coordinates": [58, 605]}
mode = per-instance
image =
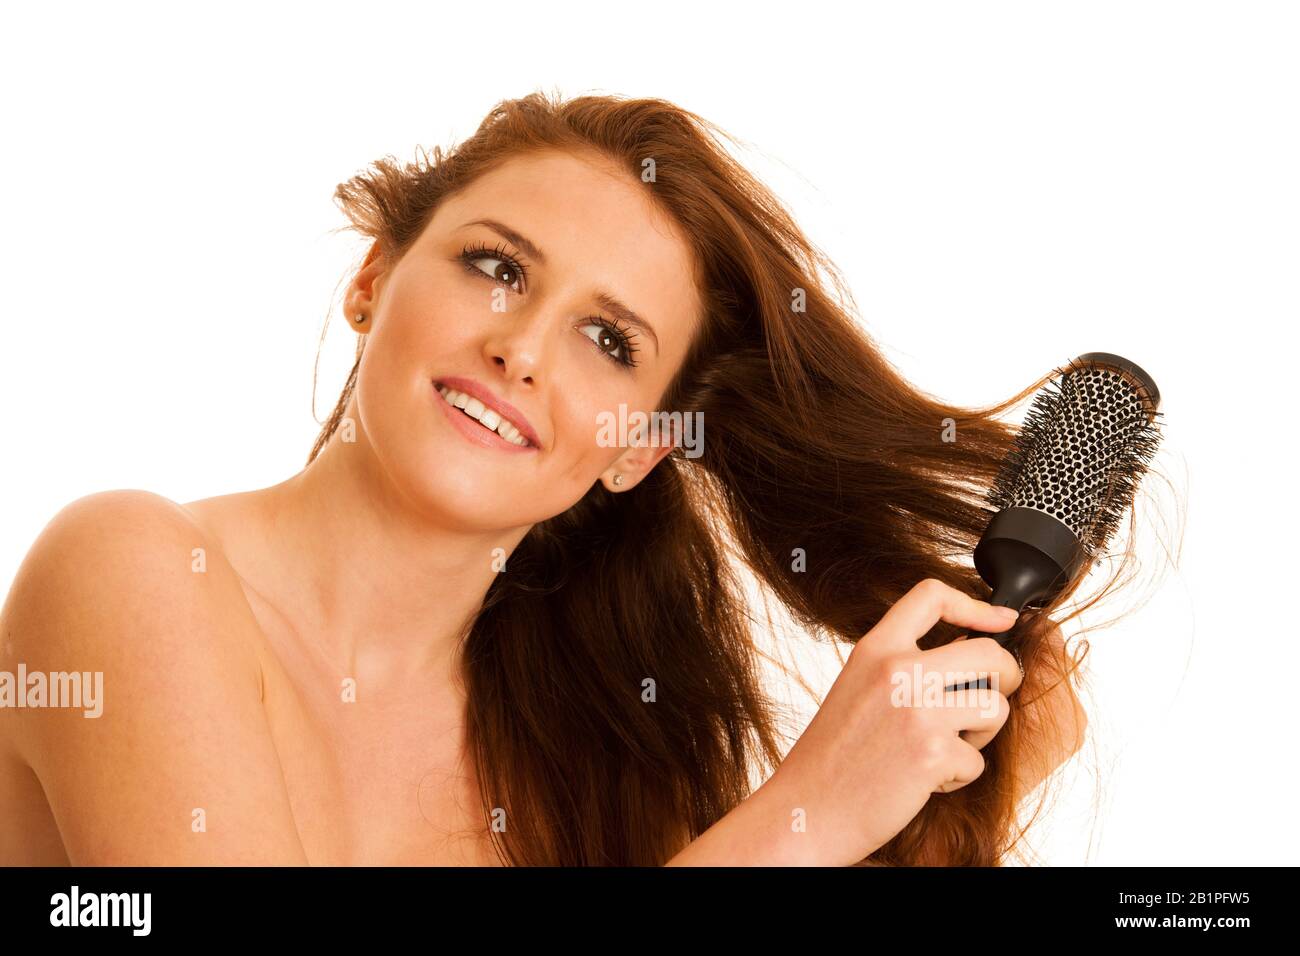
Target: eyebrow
{"type": "Point", "coordinates": [620, 310]}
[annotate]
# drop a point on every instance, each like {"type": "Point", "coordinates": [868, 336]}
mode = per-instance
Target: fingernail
{"type": "Point", "coordinates": [1009, 613]}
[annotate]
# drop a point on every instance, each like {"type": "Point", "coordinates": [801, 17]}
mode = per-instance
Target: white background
{"type": "Point", "coordinates": [1005, 185]}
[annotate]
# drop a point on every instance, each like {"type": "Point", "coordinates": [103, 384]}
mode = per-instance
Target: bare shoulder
{"type": "Point", "coordinates": [112, 529]}
{"type": "Point", "coordinates": [115, 555]}
{"type": "Point", "coordinates": [113, 515]}
{"type": "Point", "coordinates": [124, 589]}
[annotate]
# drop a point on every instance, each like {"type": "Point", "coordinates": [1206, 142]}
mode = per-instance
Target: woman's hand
{"type": "Point", "coordinates": [882, 743]}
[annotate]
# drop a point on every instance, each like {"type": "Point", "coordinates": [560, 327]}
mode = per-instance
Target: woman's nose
{"type": "Point", "coordinates": [520, 342]}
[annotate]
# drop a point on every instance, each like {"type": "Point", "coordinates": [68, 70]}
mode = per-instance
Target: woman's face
{"type": "Point", "coordinates": [520, 317]}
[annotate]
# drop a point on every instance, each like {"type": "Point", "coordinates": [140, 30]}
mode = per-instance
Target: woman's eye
{"type": "Point", "coordinates": [505, 271]}
{"type": "Point", "coordinates": [604, 338]}
{"type": "Point", "coordinates": [611, 342]}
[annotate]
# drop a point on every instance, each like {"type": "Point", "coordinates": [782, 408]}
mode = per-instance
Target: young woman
{"type": "Point", "coordinates": [488, 624]}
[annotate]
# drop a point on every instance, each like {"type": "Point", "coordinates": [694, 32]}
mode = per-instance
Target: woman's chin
{"type": "Point", "coordinates": [466, 497]}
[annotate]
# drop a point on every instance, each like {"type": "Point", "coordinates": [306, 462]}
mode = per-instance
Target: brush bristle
{"type": "Point", "coordinates": [1087, 441]}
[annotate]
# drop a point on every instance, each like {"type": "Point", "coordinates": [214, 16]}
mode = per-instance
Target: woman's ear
{"type": "Point", "coordinates": [649, 446]}
{"type": "Point", "coordinates": [362, 294]}
{"type": "Point", "coordinates": [633, 465]}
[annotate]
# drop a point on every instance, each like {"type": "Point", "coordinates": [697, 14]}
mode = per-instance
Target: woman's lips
{"type": "Point", "coordinates": [476, 389]}
{"type": "Point", "coordinates": [473, 431]}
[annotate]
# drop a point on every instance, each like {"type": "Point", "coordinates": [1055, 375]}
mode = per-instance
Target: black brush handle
{"type": "Point", "coordinates": [1003, 638]}
{"type": "Point", "coordinates": [1028, 557]}
{"type": "Point", "coordinates": [1024, 574]}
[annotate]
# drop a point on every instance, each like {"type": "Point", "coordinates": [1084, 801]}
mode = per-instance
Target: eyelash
{"type": "Point", "coordinates": [625, 337]}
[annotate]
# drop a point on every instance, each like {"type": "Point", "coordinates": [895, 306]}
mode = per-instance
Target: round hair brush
{"type": "Point", "coordinates": [1072, 474]}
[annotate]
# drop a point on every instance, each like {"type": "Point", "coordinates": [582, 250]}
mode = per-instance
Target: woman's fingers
{"type": "Point", "coordinates": [966, 766]}
{"type": "Point", "coordinates": [979, 722]}
{"type": "Point", "coordinates": [966, 660]}
{"type": "Point", "coordinates": [917, 611]}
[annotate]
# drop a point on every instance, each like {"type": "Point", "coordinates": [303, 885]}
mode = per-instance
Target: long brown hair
{"type": "Point", "coordinates": [614, 701]}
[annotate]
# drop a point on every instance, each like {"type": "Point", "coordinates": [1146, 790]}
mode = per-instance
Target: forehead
{"type": "Point", "coordinates": [596, 225]}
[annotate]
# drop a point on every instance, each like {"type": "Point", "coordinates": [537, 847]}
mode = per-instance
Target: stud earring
{"type": "Point", "coordinates": [361, 317]}
{"type": "Point", "coordinates": [618, 480]}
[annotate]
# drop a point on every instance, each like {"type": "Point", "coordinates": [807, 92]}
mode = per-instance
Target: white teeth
{"type": "Point", "coordinates": [483, 415]}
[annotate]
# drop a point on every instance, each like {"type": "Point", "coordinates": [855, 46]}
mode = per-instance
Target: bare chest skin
{"type": "Point", "coordinates": [375, 776]}
{"type": "Point", "coordinates": [373, 779]}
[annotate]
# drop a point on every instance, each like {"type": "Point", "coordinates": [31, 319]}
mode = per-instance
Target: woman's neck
{"type": "Point", "coordinates": [383, 590]}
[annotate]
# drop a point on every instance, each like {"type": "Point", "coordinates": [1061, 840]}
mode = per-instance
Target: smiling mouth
{"type": "Point", "coordinates": [486, 417]}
